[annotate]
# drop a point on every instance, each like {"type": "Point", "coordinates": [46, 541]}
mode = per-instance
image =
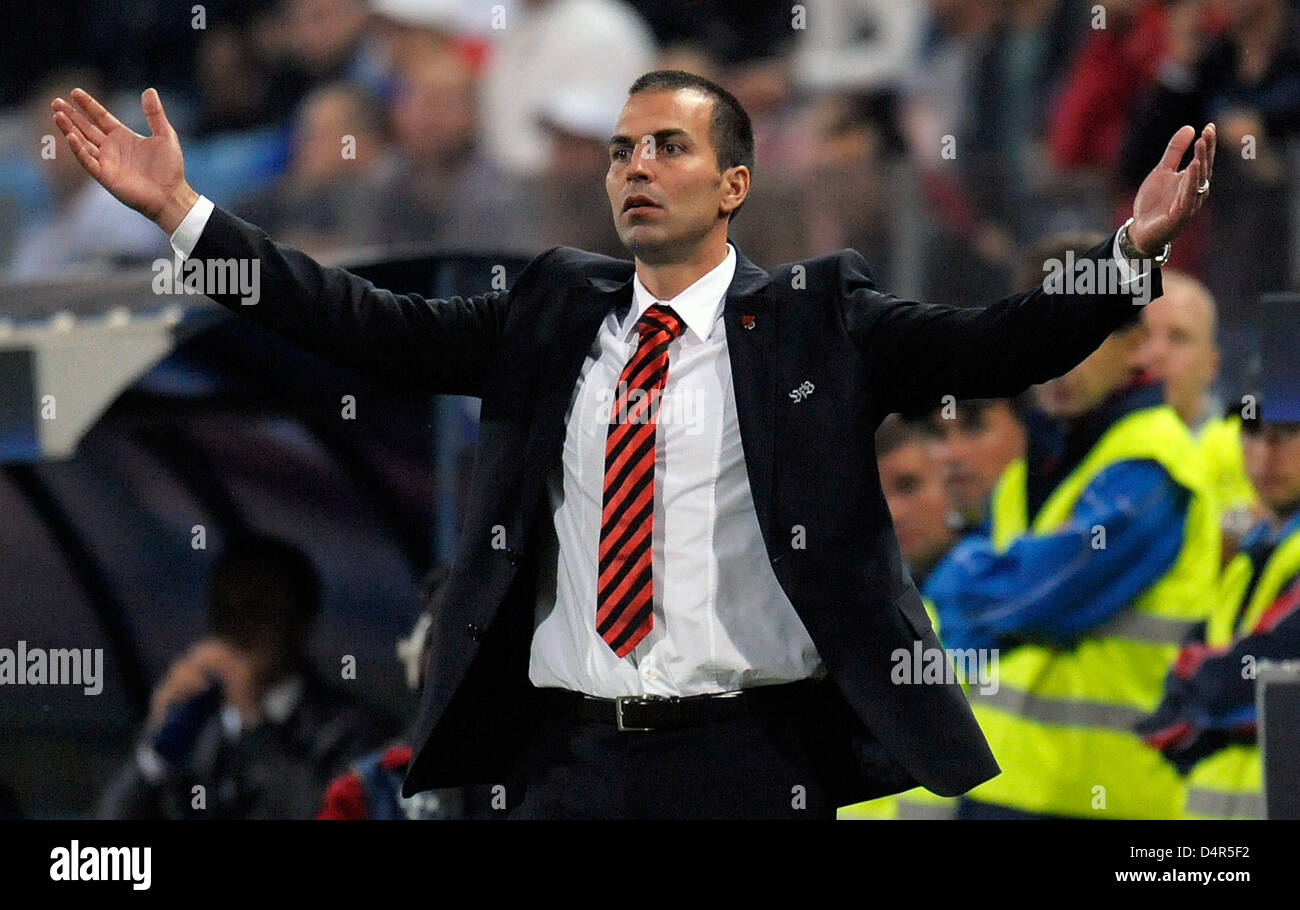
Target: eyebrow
{"type": "Point", "coordinates": [661, 136]}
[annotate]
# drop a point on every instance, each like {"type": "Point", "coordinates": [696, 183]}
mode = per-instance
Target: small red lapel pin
{"type": "Point", "coordinates": [747, 321]}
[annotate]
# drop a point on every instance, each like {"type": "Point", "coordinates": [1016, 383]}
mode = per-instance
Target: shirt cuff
{"type": "Point", "coordinates": [1127, 273]}
{"type": "Point", "coordinates": [187, 233]}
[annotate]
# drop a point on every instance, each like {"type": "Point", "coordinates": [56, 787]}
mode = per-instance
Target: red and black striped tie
{"type": "Point", "coordinates": [625, 586]}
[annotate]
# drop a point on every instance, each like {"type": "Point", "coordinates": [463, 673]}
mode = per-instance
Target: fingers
{"type": "Point", "coordinates": [1182, 208]}
{"type": "Point", "coordinates": [153, 112]}
{"type": "Point", "coordinates": [1198, 168]}
{"type": "Point", "coordinates": [1212, 135]}
{"type": "Point", "coordinates": [93, 134]}
{"type": "Point", "coordinates": [1202, 173]}
{"type": "Point", "coordinates": [1177, 147]}
{"type": "Point", "coordinates": [1188, 198]}
{"type": "Point", "coordinates": [68, 127]}
{"type": "Point", "coordinates": [81, 150]}
{"type": "Point", "coordinates": [95, 111]}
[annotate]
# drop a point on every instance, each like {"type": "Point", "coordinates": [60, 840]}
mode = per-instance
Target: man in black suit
{"type": "Point", "coordinates": [651, 613]}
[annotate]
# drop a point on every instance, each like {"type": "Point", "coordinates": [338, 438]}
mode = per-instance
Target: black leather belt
{"type": "Point", "coordinates": [657, 712]}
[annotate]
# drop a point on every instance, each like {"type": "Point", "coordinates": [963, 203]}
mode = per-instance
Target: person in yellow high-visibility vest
{"type": "Point", "coordinates": [1105, 539]}
{"type": "Point", "coordinates": [1180, 350]}
{"type": "Point", "coordinates": [977, 439]}
{"type": "Point", "coordinates": [1205, 724]}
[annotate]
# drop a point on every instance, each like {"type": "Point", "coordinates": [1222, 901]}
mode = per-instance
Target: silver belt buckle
{"type": "Point", "coordinates": [618, 711]}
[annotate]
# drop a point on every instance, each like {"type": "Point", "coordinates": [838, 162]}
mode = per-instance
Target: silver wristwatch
{"type": "Point", "coordinates": [1131, 252]}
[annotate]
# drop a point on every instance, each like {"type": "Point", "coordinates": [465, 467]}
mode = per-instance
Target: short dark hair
{"type": "Point", "coordinates": [262, 590]}
{"type": "Point", "coordinates": [730, 130]}
{"type": "Point", "coordinates": [897, 431]}
{"type": "Point", "coordinates": [970, 408]}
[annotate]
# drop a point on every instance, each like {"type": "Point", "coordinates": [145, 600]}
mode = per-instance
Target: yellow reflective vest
{"type": "Point", "coordinates": [1219, 440]}
{"type": "Point", "coordinates": [1229, 783]}
{"type": "Point", "coordinates": [1061, 721]}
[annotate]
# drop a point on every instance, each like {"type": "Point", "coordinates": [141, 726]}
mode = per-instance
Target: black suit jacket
{"type": "Point", "coordinates": [822, 325]}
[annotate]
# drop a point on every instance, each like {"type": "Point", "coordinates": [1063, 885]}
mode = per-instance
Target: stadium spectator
{"type": "Point", "coordinates": [858, 45]}
{"type": "Point", "coordinates": [1206, 723]}
{"type": "Point", "coordinates": [594, 47]}
{"type": "Point", "coordinates": [1181, 352]}
{"type": "Point", "coordinates": [911, 476]}
{"type": "Point", "coordinates": [405, 33]}
{"type": "Point", "coordinates": [565, 201]}
{"type": "Point", "coordinates": [1237, 64]}
{"type": "Point", "coordinates": [1111, 70]}
{"type": "Point", "coordinates": [244, 77]}
{"type": "Point", "coordinates": [241, 727]}
{"type": "Point", "coordinates": [975, 444]}
{"type": "Point", "coordinates": [938, 113]}
{"type": "Point", "coordinates": [440, 188]}
{"type": "Point", "coordinates": [324, 200]}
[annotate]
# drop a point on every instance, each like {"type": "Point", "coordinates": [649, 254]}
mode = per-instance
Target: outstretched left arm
{"type": "Point", "coordinates": [917, 353]}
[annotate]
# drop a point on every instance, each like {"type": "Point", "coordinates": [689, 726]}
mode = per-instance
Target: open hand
{"type": "Point", "coordinates": [1167, 199]}
{"type": "Point", "coordinates": [146, 173]}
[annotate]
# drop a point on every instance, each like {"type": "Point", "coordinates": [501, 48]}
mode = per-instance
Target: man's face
{"type": "Point", "coordinates": [1272, 457]}
{"type": "Point", "coordinates": [433, 111]}
{"type": "Point", "coordinates": [974, 448]}
{"type": "Point", "coordinates": [661, 157]}
{"type": "Point", "coordinates": [1179, 348]}
{"type": "Point", "coordinates": [912, 479]}
{"type": "Point", "coordinates": [1104, 371]}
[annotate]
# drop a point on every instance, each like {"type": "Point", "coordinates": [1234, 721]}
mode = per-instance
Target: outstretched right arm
{"type": "Point", "coordinates": [434, 345]}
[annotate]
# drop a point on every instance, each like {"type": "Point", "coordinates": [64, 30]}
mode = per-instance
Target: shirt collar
{"type": "Point", "coordinates": [698, 305]}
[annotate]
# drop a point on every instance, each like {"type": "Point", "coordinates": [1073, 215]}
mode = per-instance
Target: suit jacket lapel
{"type": "Point", "coordinates": [556, 373]}
{"type": "Point", "coordinates": [749, 317]}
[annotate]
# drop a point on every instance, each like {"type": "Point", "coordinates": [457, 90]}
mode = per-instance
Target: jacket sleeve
{"type": "Point", "coordinates": [916, 353]}
{"type": "Point", "coordinates": [428, 345]}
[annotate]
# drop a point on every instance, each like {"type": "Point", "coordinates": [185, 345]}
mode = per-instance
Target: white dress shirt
{"type": "Point", "coordinates": [721, 620]}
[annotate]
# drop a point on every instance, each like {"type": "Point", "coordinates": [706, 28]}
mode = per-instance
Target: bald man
{"type": "Point", "coordinates": [1180, 350]}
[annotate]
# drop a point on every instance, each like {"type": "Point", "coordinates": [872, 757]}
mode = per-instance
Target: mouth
{"type": "Point", "coordinates": [639, 203]}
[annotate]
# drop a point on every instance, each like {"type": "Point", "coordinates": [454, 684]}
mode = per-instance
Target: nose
{"type": "Point", "coordinates": [639, 165]}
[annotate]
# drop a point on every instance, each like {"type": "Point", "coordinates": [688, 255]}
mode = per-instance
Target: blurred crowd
{"type": "Point", "coordinates": [946, 140]}
{"type": "Point", "coordinates": [940, 138]}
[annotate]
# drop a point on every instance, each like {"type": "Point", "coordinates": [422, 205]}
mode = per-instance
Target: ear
{"type": "Point", "coordinates": [735, 180]}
